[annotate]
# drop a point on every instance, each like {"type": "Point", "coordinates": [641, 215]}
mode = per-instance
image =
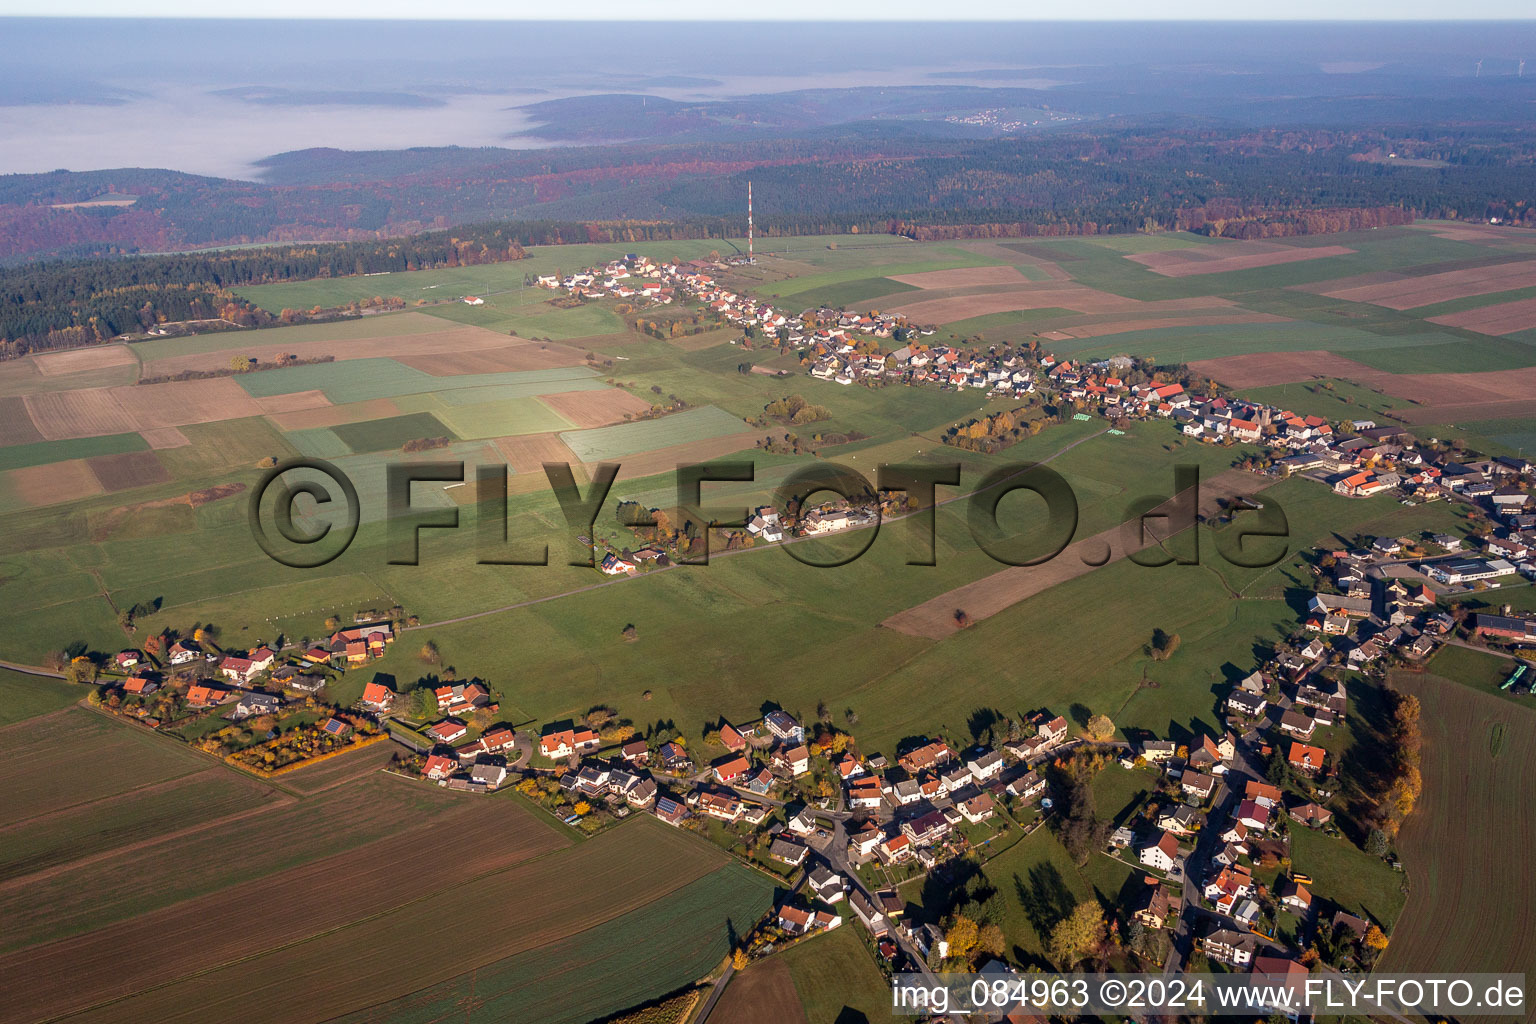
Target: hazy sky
{"type": "Point", "coordinates": [851, 10]}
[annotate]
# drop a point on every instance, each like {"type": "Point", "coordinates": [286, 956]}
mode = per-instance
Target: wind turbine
{"type": "Point", "coordinates": [1520, 72]}
{"type": "Point", "coordinates": [1479, 72]}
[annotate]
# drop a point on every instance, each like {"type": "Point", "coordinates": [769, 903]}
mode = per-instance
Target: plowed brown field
{"type": "Point", "coordinates": [1475, 809]}
{"type": "Point", "coordinates": [596, 408]}
{"type": "Point", "coordinates": [1499, 318]}
{"type": "Point", "coordinates": [1223, 259]}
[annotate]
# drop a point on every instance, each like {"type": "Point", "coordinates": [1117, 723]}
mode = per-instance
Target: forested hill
{"type": "Point", "coordinates": [1110, 174]}
{"type": "Point", "coordinates": [61, 304]}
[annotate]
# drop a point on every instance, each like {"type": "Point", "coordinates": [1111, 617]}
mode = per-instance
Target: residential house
{"type": "Point", "coordinates": [828, 885]}
{"type": "Point", "coordinates": [730, 768]}
{"type": "Point", "coordinates": [978, 808]}
{"type": "Point", "coordinates": [378, 697]}
{"type": "Point", "coordinates": [1294, 896]}
{"type": "Point", "coordinates": [872, 917]}
{"type": "Point", "coordinates": [1231, 947]}
{"type": "Point", "coordinates": [793, 760]}
{"type": "Point", "coordinates": [1197, 784]}
{"type": "Point", "coordinates": [557, 743]}
{"type": "Point", "coordinates": [796, 921]}
{"type": "Point", "coordinates": [1163, 855]}
{"type": "Point", "coordinates": [783, 727]}
{"type": "Point", "coordinates": [1180, 819]}
{"type": "Point", "coordinates": [1306, 759]}
{"type": "Point", "coordinates": [1152, 907]}
{"type": "Point", "coordinates": [1297, 724]}
{"type": "Point", "coordinates": [201, 695]}
{"type": "Point", "coordinates": [985, 766]}
{"type": "Point", "coordinates": [787, 851]}
{"type": "Point", "coordinates": [1249, 705]}
{"type": "Point", "coordinates": [448, 730]}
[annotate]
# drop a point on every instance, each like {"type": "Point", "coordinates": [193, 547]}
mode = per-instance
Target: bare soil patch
{"type": "Point", "coordinates": [1411, 292]}
{"type": "Point", "coordinates": [984, 598]}
{"type": "Point", "coordinates": [489, 835]}
{"type": "Point", "coordinates": [666, 460]}
{"type": "Point", "coordinates": [596, 408]}
{"type": "Point", "coordinates": [518, 355]}
{"type": "Point", "coordinates": [178, 403]}
{"type": "Point", "coordinates": [204, 969]}
{"type": "Point", "coordinates": [1499, 318]}
{"type": "Point", "coordinates": [89, 412]}
{"type": "Point", "coordinates": [1260, 369]}
{"type": "Point", "coordinates": [55, 482]}
{"type": "Point", "coordinates": [962, 277]}
{"type": "Point", "coordinates": [334, 415]}
{"type": "Point", "coordinates": [16, 426]}
{"type": "Point", "coordinates": [165, 437]}
{"type": "Point", "coordinates": [208, 495]}
{"type": "Point", "coordinates": [457, 338]}
{"type": "Point", "coordinates": [1042, 296]}
{"type": "Point", "coordinates": [51, 364]}
{"type": "Point", "coordinates": [527, 453]}
{"type": "Point", "coordinates": [128, 469]}
{"type": "Point", "coordinates": [762, 994]}
{"type": "Point", "coordinates": [296, 401]}
{"type": "Point", "coordinates": [1222, 259]}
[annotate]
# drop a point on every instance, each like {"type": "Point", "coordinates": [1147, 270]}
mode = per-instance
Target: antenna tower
{"type": "Point", "coordinates": [751, 257]}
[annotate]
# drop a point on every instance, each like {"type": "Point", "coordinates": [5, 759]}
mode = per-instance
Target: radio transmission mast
{"type": "Point", "coordinates": [751, 257]}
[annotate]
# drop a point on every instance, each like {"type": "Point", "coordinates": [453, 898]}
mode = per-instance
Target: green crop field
{"type": "Point", "coordinates": [357, 380]}
{"type": "Point", "coordinates": [1480, 670]}
{"type": "Point", "coordinates": [392, 432]}
{"type": "Point", "coordinates": [845, 293]}
{"type": "Point", "coordinates": [1476, 757]}
{"type": "Point", "coordinates": [636, 957]}
{"type": "Point", "coordinates": [23, 696]}
{"type": "Point", "coordinates": [623, 439]}
{"type": "Point", "coordinates": [42, 453]}
{"type": "Point", "coordinates": [836, 978]}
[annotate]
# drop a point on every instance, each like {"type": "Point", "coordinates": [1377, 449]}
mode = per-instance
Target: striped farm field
{"type": "Point", "coordinates": [1471, 908]}
{"type": "Point", "coordinates": [358, 380]}
{"type": "Point", "coordinates": [641, 907]}
{"type": "Point", "coordinates": [631, 959]}
{"type": "Point", "coordinates": [632, 438]}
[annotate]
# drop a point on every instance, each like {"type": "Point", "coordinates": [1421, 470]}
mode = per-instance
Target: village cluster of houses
{"type": "Point", "coordinates": [231, 678]}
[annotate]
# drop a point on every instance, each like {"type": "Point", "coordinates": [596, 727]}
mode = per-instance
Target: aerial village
{"type": "Point", "coordinates": [847, 829]}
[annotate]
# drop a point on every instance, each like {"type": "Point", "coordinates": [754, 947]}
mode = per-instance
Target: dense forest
{"type": "Point", "coordinates": [60, 304]}
{"type": "Point", "coordinates": [1111, 175]}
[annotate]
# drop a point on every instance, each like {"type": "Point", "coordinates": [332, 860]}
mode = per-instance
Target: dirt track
{"type": "Point", "coordinates": [984, 598]}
